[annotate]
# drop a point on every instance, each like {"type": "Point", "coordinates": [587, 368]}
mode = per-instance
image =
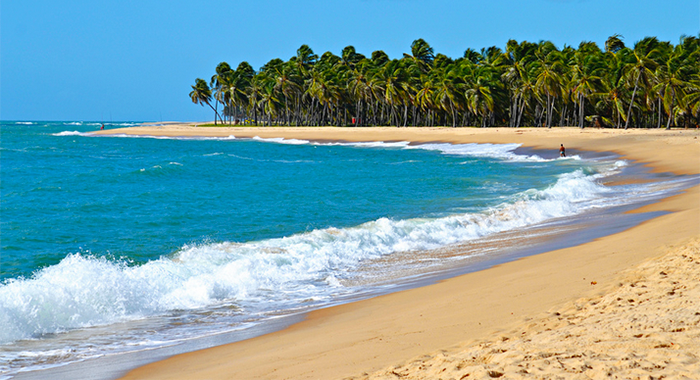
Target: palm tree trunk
{"type": "Point", "coordinates": [670, 109]}
{"type": "Point", "coordinates": [629, 110]}
{"type": "Point", "coordinates": [562, 115]}
{"type": "Point", "coordinates": [405, 114]}
{"type": "Point", "coordinates": [582, 110]}
{"type": "Point", "coordinates": [216, 113]}
{"type": "Point", "coordinates": [513, 110]}
{"type": "Point", "coordinates": [520, 114]}
{"type": "Point", "coordinates": [516, 112]}
{"type": "Point", "coordinates": [548, 119]}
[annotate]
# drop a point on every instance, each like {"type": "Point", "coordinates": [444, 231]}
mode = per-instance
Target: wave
{"type": "Point", "coordinates": [83, 290]}
{"type": "Point", "coordinates": [280, 140]}
{"type": "Point", "coordinates": [70, 133]}
{"type": "Point", "coordinates": [504, 152]}
{"type": "Point", "coordinates": [160, 170]}
{"type": "Point", "coordinates": [125, 135]}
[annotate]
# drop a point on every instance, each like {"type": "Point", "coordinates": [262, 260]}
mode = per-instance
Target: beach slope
{"type": "Point", "coordinates": [411, 334]}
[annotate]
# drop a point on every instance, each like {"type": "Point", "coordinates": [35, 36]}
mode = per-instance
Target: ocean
{"type": "Point", "coordinates": [119, 244]}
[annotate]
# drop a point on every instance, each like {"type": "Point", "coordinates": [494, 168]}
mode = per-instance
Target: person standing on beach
{"type": "Point", "coordinates": [562, 151]}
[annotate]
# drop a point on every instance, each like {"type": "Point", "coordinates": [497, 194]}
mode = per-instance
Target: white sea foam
{"type": "Point", "coordinates": [280, 140]}
{"type": "Point", "coordinates": [500, 151]}
{"type": "Point", "coordinates": [125, 135]}
{"type": "Point", "coordinates": [84, 291]}
{"type": "Point", "coordinates": [70, 133]}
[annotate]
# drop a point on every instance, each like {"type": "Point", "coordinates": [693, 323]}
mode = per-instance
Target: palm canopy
{"type": "Point", "coordinates": [523, 84]}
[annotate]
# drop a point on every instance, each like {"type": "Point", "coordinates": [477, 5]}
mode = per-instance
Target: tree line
{"type": "Point", "coordinates": [649, 85]}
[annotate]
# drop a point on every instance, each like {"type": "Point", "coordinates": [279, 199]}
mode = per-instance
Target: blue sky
{"type": "Point", "coordinates": [136, 60]}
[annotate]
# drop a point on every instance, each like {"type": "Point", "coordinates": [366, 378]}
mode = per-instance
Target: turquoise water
{"type": "Point", "coordinates": [141, 199]}
{"type": "Point", "coordinates": [175, 238]}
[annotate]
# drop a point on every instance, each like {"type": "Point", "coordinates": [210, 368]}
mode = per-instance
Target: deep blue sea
{"type": "Point", "coordinates": [114, 244]}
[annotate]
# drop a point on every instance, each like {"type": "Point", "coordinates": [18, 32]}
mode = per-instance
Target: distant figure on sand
{"type": "Point", "coordinates": [562, 151]}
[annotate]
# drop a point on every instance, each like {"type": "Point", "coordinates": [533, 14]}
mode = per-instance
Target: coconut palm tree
{"type": "Point", "coordinates": [549, 81]}
{"type": "Point", "coordinates": [670, 82]}
{"type": "Point", "coordinates": [614, 44]}
{"type": "Point", "coordinates": [587, 68]}
{"type": "Point", "coordinates": [448, 93]}
{"type": "Point", "coordinates": [218, 81]}
{"type": "Point", "coordinates": [201, 94]}
{"type": "Point", "coordinates": [478, 93]}
{"type": "Point", "coordinates": [422, 55]}
{"type": "Point", "coordinates": [517, 74]}
{"type": "Point", "coordinates": [642, 67]}
{"type": "Point", "coordinates": [521, 85]}
{"type": "Point", "coordinates": [613, 88]}
{"type": "Point", "coordinates": [238, 86]}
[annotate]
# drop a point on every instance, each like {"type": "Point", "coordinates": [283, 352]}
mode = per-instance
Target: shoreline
{"type": "Point", "coordinates": [365, 336]}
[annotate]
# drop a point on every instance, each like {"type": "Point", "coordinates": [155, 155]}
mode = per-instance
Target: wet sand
{"type": "Point", "coordinates": [459, 324]}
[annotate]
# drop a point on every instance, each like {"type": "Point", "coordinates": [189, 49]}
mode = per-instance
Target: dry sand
{"type": "Point", "coordinates": [458, 328]}
{"type": "Point", "coordinates": [647, 327]}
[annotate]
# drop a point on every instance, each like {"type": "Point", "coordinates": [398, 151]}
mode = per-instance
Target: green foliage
{"type": "Point", "coordinates": [652, 84]}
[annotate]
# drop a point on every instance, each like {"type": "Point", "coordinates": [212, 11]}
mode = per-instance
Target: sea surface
{"type": "Point", "coordinates": [126, 244]}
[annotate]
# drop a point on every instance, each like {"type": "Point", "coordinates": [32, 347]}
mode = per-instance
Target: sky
{"type": "Point", "coordinates": [124, 60]}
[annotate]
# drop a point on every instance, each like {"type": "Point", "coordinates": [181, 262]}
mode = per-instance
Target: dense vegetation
{"type": "Point", "coordinates": [652, 84]}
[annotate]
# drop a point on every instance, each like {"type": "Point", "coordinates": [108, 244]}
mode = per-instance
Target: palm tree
{"type": "Point", "coordinates": [358, 88]}
{"type": "Point", "coordinates": [478, 94]}
{"type": "Point", "coordinates": [350, 57]}
{"type": "Point", "coordinates": [670, 82]}
{"type": "Point", "coordinates": [287, 85]}
{"type": "Point", "coordinates": [447, 93]}
{"type": "Point", "coordinates": [238, 86]}
{"type": "Point", "coordinates": [425, 94]}
{"type": "Point", "coordinates": [472, 56]}
{"type": "Point", "coordinates": [218, 81]}
{"type": "Point", "coordinates": [392, 82]}
{"type": "Point", "coordinates": [549, 81]}
{"type": "Point", "coordinates": [201, 94]}
{"type": "Point", "coordinates": [519, 86]}
{"type": "Point", "coordinates": [612, 89]}
{"type": "Point", "coordinates": [517, 74]}
{"type": "Point", "coordinates": [614, 44]}
{"type": "Point", "coordinates": [422, 55]}
{"type": "Point", "coordinates": [379, 58]}
{"type": "Point", "coordinates": [642, 67]}
{"type": "Point", "coordinates": [586, 67]}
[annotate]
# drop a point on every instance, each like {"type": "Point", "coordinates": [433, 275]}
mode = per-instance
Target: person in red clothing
{"type": "Point", "coordinates": [562, 151]}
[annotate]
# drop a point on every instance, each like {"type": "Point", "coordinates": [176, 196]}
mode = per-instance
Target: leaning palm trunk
{"type": "Point", "coordinates": [670, 109]}
{"type": "Point", "coordinates": [520, 114]}
{"type": "Point", "coordinates": [582, 110]}
{"type": "Point", "coordinates": [562, 115]}
{"type": "Point", "coordinates": [629, 109]}
{"type": "Point", "coordinates": [548, 119]}
{"type": "Point", "coordinates": [515, 113]}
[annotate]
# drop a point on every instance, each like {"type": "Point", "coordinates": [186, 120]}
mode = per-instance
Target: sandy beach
{"type": "Point", "coordinates": [623, 306]}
